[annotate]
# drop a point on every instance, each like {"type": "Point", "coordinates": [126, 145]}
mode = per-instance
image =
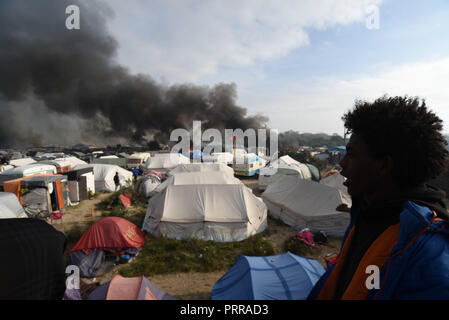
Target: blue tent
{"type": "Point", "coordinates": [280, 277]}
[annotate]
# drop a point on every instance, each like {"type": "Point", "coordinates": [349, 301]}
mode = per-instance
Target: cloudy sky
{"type": "Point", "coordinates": [302, 63]}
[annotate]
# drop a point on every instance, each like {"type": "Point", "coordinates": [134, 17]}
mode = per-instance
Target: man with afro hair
{"type": "Point", "coordinates": [397, 242]}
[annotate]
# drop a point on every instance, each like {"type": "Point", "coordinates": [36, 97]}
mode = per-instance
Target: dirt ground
{"type": "Point", "coordinates": [191, 285]}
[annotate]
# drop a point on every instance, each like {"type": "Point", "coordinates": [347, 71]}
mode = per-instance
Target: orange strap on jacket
{"type": "Point", "coordinates": [377, 254]}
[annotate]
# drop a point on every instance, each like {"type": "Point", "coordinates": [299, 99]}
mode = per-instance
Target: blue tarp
{"type": "Point", "coordinates": [280, 277]}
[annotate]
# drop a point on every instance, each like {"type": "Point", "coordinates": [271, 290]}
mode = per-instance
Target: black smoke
{"type": "Point", "coordinates": [74, 73]}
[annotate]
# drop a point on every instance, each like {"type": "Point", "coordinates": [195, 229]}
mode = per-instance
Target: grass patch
{"type": "Point", "coordinates": [163, 255]}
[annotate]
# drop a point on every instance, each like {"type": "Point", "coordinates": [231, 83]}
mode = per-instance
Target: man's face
{"type": "Point", "coordinates": [360, 169]}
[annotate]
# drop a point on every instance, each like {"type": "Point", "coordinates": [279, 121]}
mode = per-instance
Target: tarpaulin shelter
{"type": "Point", "coordinates": [110, 234]}
{"type": "Point", "coordinates": [307, 204]}
{"type": "Point", "coordinates": [10, 206]}
{"type": "Point", "coordinates": [136, 288]}
{"type": "Point", "coordinates": [280, 277]}
{"type": "Point", "coordinates": [44, 193]}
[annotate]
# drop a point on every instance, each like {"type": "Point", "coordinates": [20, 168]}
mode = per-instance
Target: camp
{"type": "Point", "coordinates": [307, 204]}
{"type": "Point", "coordinates": [113, 235]}
{"type": "Point", "coordinates": [280, 277]}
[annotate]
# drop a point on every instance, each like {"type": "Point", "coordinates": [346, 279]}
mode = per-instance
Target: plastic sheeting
{"type": "Point", "coordinates": [10, 206]}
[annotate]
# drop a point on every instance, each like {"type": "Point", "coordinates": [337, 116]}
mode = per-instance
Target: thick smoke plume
{"type": "Point", "coordinates": [73, 75]}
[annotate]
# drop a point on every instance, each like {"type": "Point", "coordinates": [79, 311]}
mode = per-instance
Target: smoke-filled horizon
{"type": "Point", "coordinates": [60, 85]}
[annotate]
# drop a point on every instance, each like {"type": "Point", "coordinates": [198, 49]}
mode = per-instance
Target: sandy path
{"type": "Point", "coordinates": [75, 215]}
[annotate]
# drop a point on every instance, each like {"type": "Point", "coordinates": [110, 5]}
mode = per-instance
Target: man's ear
{"type": "Point", "coordinates": [386, 166]}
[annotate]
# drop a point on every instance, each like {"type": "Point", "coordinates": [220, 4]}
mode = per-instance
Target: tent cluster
{"type": "Point", "coordinates": [186, 200]}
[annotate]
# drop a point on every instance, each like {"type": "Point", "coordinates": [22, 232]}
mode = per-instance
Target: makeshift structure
{"type": "Point", "coordinates": [27, 170]}
{"type": "Point", "coordinates": [40, 195]}
{"type": "Point", "coordinates": [104, 176]}
{"type": "Point", "coordinates": [10, 206]}
{"type": "Point", "coordinates": [80, 182]}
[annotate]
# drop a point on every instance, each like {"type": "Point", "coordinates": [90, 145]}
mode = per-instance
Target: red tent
{"type": "Point", "coordinates": [110, 233]}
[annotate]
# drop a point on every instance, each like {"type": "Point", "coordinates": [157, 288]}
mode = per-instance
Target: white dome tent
{"type": "Point", "coordinates": [307, 204]}
{"type": "Point", "coordinates": [220, 213]}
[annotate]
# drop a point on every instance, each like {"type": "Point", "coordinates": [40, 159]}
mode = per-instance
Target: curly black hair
{"type": "Point", "coordinates": [404, 129]}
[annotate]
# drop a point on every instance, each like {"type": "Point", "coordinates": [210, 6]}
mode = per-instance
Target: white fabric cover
{"type": "Point", "coordinates": [336, 181]}
{"type": "Point", "coordinates": [72, 160]}
{"type": "Point", "coordinates": [104, 176]}
{"type": "Point", "coordinates": [21, 162]}
{"type": "Point", "coordinates": [202, 167]}
{"type": "Point", "coordinates": [165, 161]}
{"type": "Point", "coordinates": [31, 169]}
{"type": "Point", "coordinates": [265, 176]}
{"type": "Point", "coordinates": [307, 204]}
{"type": "Point", "coordinates": [192, 178]}
{"type": "Point", "coordinates": [10, 206]}
{"type": "Point", "coordinates": [146, 184]}
{"type": "Point", "coordinates": [289, 161]}
{"type": "Point", "coordinates": [209, 212]}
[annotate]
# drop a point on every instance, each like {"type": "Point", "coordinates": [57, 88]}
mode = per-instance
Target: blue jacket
{"type": "Point", "coordinates": [421, 269]}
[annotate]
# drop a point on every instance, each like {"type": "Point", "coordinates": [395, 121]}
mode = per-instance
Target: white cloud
{"type": "Point", "coordinates": [319, 107]}
{"type": "Point", "coordinates": [184, 40]}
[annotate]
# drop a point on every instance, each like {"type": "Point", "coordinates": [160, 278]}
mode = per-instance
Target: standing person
{"type": "Point", "coordinates": [117, 181]}
{"type": "Point", "coordinates": [135, 173]}
{"type": "Point", "coordinates": [397, 242]}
